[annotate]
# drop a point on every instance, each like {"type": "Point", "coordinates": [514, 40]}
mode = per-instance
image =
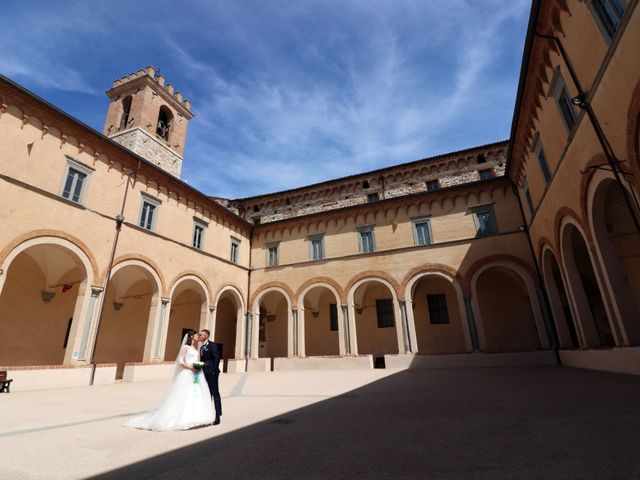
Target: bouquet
{"type": "Point", "coordinates": [198, 366]}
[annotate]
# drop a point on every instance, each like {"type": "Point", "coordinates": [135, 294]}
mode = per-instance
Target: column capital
{"type": "Point", "coordinates": [165, 300]}
{"type": "Point", "coordinates": [212, 308]}
{"type": "Point", "coordinates": [96, 290]}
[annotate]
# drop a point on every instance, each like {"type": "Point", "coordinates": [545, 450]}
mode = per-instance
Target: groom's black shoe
{"type": "Point", "coordinates": [216, 421]}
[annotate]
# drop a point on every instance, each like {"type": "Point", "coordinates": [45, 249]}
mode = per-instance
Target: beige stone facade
{"type": "Point", "coordinates": [507, 250]}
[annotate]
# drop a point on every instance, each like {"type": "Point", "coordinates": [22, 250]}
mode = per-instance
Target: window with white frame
{"type": "Point", "coordinates": [538, 151]}
{"type": "Point", "coordinates": [421, 230]}
{"type": "Point", "coordinates": [235, 250]}
{"type": "Point", "coordinates": [558, 90]}
{"type": "Point", "coordinates": [272, 254]}
{"type": "Point", "coordinates": [485, 220]}
{"type": "Point", "coordinates": [607, 14]}
{"type": "Point", "coordinates": [366, 239]}
{"type": "Point", "coordinates": [316, 247]}
{"type": "Point", "coordinates": [199, 229]}
{"type": "Point", "coordinates": [75, 181]}
{"type": "Point", "coordinates": [148, 212]}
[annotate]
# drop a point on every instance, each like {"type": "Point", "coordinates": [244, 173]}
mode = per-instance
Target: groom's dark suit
{"type": "Point", "coordinates": [210, 355]}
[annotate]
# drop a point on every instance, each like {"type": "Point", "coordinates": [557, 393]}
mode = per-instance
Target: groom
{"type": "Point", "coordinates": [210, 355]}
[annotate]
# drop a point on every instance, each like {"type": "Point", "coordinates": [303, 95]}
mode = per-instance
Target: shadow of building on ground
{"type": "Point", "coordinates": [544, 422]}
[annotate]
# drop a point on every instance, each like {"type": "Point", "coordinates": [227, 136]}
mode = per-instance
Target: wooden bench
{"type": "Point", "coordinates": [4, 383]}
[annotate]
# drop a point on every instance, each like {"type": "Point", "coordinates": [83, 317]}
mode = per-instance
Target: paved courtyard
{"type": "Point", "coordinates": [509, 423]}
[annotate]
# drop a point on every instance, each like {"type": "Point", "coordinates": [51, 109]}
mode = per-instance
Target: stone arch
{"type": "Point", "coordinates": [373, 274]}
{"type": "Point", "coordinates": [317, 335]}
{"type": "Point", "coordinates": [261, 346]}
{"type": "Point", "coordinates": [616, 245]}
{"type": "Point", "coordinates": [49, 282]}
{"type": "Point", "coordinates": [48, 236]}
{"type": "Point", "coordinates": [556, 286]}
{"type": "Point", "coordinates": [508, 336]}
{"type": "Point", "coordinates": [633, 136]}
{"type": "Point", "coordinates": [195, 276]}
{"type": "Point", "coordinates": [137, 259]}
{"type": "Point", "coordinates": [261, 290]}
{"type": "Point", "coordinates": [225, 331]}
{"type": "Point", "coordinates": [189, 308]}
{"type": "Point", "coordinates": [500, 258]}
{"type": "Point", "coordinates": [430, 338]}
{"type": "Point", "coordinates": [376, 341]}
{"type": "Point", "coordinates": [586, 294]}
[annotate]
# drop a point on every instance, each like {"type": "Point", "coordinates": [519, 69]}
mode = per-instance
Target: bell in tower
{"type": "Point", "coordinates": [148, 118]}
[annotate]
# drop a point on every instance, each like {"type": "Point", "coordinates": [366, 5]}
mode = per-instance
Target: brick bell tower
{"type": "Point", "coordinates": [148, 118]}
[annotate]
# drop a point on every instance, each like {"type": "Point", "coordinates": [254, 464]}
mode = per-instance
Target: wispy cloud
{"type": "Point", "coordinates": [290, 93]}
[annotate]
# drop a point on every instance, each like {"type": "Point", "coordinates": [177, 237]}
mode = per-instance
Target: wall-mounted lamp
{"type": "Point", "coordinates": [117, 306]}
{"type": "Point", "coordinates": [359, 309]}
{"type": "Point", "coordinates": [580, 100]}
{"type": "Point", "coordinates": [47, 296]}
{"type": "Point", "coordinates": [315, 313]}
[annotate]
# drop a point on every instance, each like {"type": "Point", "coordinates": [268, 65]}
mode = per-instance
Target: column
{"type": "Point", "coordinates": [88, 324]}
{"type": "Point", "coordinates": [160, 333]}
{"type": "Point", "coordinates": [345, 328]}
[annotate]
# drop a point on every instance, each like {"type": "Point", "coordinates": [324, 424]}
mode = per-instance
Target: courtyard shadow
{"type": "Point", "coordinates": [544, 422]}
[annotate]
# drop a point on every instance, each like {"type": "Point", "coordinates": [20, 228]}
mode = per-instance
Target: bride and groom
{"type": "Point", "coordinates": [187, 403]}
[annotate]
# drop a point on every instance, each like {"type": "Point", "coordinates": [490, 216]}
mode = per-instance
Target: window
{"type": "Point", "coordinates": [272, 255]}
{"type": "Point", "coordinates": [422, 231]}
{"type": "Point", "coordinates": [486, 174]}
{"type": "Point", "coordinates": [607, 14]}
{"type": "Point", "coordinates": [558, 90]}
{"type": "Point", "coordinates": [198, 234]}
{"type": "Point", "coordinates": [366, 239]}
{"type": "Point", "coordinates": [165, 120]}
{"type": "Point", "coordinates": [317, 247]}
{"type": "Point", "coordinates": [75, 181]}
{"type": "Point", "coordinates": [438, 312]}
{"type": "Point", "coordinates": [527, 195]}
{"type": "Point", "coordinates": [235, 247]}
{"type": "Point", "coordinates": [148, 212]}
{"type": "Point", "coordinates": [485, 221]}
{"type": "Point", "coordinates": [373, 197]}
{"type": "Point", "coordinates": [432, 185]}
{"type": "Point", "coordinates": [333, 317]}
{"type": "Point", "coordinates": [384, 312]}
{"type": "Point", "coordinates": [542, 159]}
{"type": "Point", "coordinates": [365, 184]}
{"type": "Point", "coordinates": [126, 109]}
{"type": "Point", "coordinates": [481, 158]}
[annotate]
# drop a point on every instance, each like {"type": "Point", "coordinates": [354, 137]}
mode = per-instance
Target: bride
{"type": "Point", "coordinates": [188, 402]}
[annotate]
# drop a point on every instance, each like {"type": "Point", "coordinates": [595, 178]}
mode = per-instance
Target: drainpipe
{"type": "Point", "coordinates": [551, 332]}
{"type": "Point", "coordinates": [248, 316]}
{"type": "Point", "coordinates": [105, 289]}
{"type": "Point", "coordinates": [580, 100]}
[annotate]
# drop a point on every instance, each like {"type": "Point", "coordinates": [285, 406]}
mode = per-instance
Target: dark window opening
{"type": "Point", "coordinates": [66, 335]}
{"type": "Point", "coordinates": [373, 197]}
{"type": "Point", "coordinates": [333, 317]}
{"type": "Point", "coordinates": [482, 158]}
{"type": "Point", "coordinates": [126, 110]}
{"type": "Point", "coordinates": [438, 312]}
{"type": "Point", "coordinates": [165, 119]}
{"type": "Point", "coordinates": [432, 185]}
{"type": "Point", "coordinates": [486, 174]}
{"type": "Point", "coordinates": [365, 184]}
{"type": "Point", "coordinates": [384, 313]}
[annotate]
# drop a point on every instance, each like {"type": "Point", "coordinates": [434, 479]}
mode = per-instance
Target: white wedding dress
{"type": "Point", "coordinates": [186, 405]}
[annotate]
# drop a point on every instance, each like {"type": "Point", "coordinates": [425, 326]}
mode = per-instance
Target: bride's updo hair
{"type": "Point", "coordinates": [190, 334]}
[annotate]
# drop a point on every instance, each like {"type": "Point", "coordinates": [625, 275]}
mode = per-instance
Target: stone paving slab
{"type": "Point", "coordinates": [509, 423]}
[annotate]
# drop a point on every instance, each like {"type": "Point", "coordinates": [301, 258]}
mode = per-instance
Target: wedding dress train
{"type": "Point", "coordinates": [186, 405]}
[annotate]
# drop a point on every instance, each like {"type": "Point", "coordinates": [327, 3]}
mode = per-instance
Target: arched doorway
{"type": "Point", "coordinates": [618, 244]}
{"type": "Point", "coordinates": [41, 296]}
{"type": "Point", "coordinates": [128, 315]}
{"type": "Point", "coordinates": [229, 315]}
{"type": "Point", "coordinates": [565, 325]}
{"type": "Point", "coordinates": [590, 307]}
{"type": "Point", "coordinates": [321, 316]}
{"type": "Point", "coordinates": [376, 312]}
{"type": "Point", "coordinates": [506, 315]}
{"type": "Point", "coordinates": [273, 324]}
{"type": "Point", "coordinates": [438, 315]}
{"type": "Point", "coordinates": [189, 310]}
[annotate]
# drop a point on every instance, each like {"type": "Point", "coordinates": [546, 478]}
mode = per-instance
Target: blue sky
{"type": "Point", "coordinates": [285, 93]}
